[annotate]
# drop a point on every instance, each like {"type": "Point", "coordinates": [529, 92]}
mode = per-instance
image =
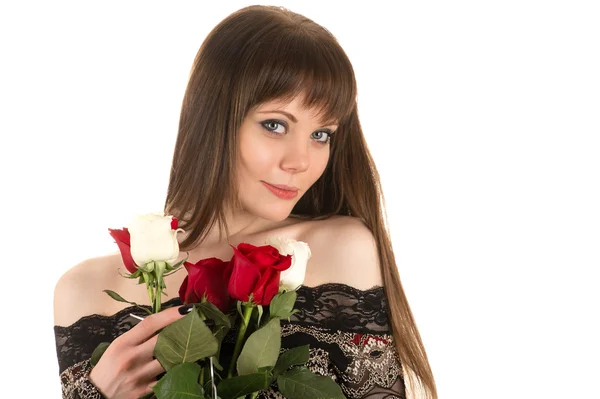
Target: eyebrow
{"type": "Point", "coordinates": [292, 117]}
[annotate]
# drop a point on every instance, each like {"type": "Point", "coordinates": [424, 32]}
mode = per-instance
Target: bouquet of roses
{"type": "Point", "coordinates": [252, 292]}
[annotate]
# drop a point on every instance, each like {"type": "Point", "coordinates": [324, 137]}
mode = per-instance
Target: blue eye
{"type": "Point", "coordinates": [327, 137]}
{"type": "Point", "coordinates": [270, 128]}
{"type": "Point", "coordinates": [272, 125]}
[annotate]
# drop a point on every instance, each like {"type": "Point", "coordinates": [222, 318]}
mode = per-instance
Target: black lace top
{"type": "Point", "coordinates": [347, 330]}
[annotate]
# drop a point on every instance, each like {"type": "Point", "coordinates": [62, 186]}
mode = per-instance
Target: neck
{"type": "Point", "coordinates": [240, 224]}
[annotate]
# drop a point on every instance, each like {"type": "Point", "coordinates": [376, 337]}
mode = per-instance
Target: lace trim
{"type": "Point", "coordinates": [334, 302]}
{"type": "Point", "coordinates": [119, 315]}
{"type": "Point", "coordinates": [342, 307]}
{"type": "Point", "coordinates": [340, 286]}
{"type": "Point", "coordinates": [76, 384]}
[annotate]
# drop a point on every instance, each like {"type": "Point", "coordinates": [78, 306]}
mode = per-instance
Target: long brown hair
{"type": "Point", "coordinates": [263, 53]}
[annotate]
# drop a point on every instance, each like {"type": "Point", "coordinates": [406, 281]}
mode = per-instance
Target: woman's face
{"type": "Point", "coordinates": [279, 149]}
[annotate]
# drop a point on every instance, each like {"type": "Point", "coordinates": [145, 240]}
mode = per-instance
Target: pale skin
{"type": "Point", "coordinates": [295, 154]}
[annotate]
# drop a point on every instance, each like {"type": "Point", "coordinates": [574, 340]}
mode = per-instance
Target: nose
{"type": "Point", "coordinates": [296, 157]}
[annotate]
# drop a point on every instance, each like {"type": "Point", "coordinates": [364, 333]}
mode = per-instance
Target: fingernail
{"type": "Point", "coordinates": [185, 309]}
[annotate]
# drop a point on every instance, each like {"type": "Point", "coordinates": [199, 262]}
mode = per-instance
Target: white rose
{"type": "Point", "coordinates": [153, 239]}
{"type": "Point", "coordinates": [293, 277]}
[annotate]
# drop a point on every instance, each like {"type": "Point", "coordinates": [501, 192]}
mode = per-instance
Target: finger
{"type": "Point", "coordinates": [150, 325]}
{"type": "Point", "coordinates": [149, 371]}
{"type": "Point", "coordinates": [151, 385]}
{"type": "Point", "coordinates": [145, 350]}
{"type": "Point", "coordinates": [147, 389]}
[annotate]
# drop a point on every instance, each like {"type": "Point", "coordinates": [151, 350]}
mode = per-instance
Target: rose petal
{"type": "Point", "coordinates": [186, 293]}
{"type": "Point", "coordinates": [122, 239]}
{"type": "Point", "coordinates": [285, 261]}
{"type": "Point", "coordinates": [209, 280]}
{"type": "Point", "coordinates": [267, 287]}
{"type": "Point", "coordinates": [244, 276]}
{"type": "Point", "coordinates": [262, 256]}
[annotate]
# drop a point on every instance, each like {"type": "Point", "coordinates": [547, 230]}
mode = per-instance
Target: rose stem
{"type": "Point", "coordinates": [240, 337]}
{"type": "Point", "coordinates": [158, 288]}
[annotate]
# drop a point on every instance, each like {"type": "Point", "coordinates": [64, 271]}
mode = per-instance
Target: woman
{"type": "Point", "coordinates": [269, 144]}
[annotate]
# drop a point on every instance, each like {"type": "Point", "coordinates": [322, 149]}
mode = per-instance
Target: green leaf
{"type": "Point", "coordinates": [265, 369]}
{"type": "Point", "coordinates": [214, 313]}
{"type": "Point", "coordinates": [172, 271]}
{"type": "Point", "coordinates": [261, 348]}
{"type": "Point", "coordinates": [260, 313]}
{"type": "Point", "coordinates": [148, 278]}
{"type": "Point", "coordinates": [239, 308]}
{"type": "Point", "coordinates": [293, 312]}
{"type": "Point", "coordinates": [98, 352]}
{"type": "Point", "coordinates": [118, 297]}
{"type": "Point", "coordinates": [135, 274]}
{"type": "Point", "coordinates": [216, 363]}
{"type": "Point", "coordinates": [185, 340]}
{"type": "Point", "coordinates": [208, 387]}
{"type": "Point", "coordinates": [145, 310]}
{"type": "Point", "coordinates": [292, 357]}
{"type": "Point", "coordinates": [220, 333]}
{"type": "Point", "coordinates": [181, 382]}
{"type": "Point", "coordinates": [282, 305]}
{"type": "Point", "coordinates": [176, 265]}
{"type": "Point", "coordinates": [301, 383]}
{"type": "Point", "coordinates": [235, 387]}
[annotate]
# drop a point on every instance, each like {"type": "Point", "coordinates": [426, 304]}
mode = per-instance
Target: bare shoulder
{"type": "Point", "coordinates": [78, 292]}
{"type": "Point", "coordinates": [344, 250]}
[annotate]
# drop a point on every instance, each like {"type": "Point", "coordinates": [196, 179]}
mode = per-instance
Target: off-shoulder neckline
{"type": "Point", "coordinates": [324, 286]}
{"type": "Point", "coordinates": [130, 309]}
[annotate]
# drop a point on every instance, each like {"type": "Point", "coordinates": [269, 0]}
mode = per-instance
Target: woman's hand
{"type": "Point", "coordinates": [127, 369]}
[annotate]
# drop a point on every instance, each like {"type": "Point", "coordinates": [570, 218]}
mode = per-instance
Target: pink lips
{"type": "Point", "coordinates": [282, 191]}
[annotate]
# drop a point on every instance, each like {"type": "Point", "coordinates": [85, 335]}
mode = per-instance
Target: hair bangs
{"type": "Point", "coordinates": [298, 62]}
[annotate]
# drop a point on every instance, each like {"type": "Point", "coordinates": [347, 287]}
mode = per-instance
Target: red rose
{"type": "Point", "coordinates": [122, 239]}
{"type": "Point", "coordinates": [208, 276]}
{"type": "Point", "coordinates": [255, 270]}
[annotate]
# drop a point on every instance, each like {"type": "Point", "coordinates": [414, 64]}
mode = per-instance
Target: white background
{"type": "Point", "coordinates": [483, 118]}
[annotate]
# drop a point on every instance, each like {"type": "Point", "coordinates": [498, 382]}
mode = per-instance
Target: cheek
{"type": "Point", "coordinates": [255, 157]}
{"type": "Point", "coordinates": [319, 164]}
